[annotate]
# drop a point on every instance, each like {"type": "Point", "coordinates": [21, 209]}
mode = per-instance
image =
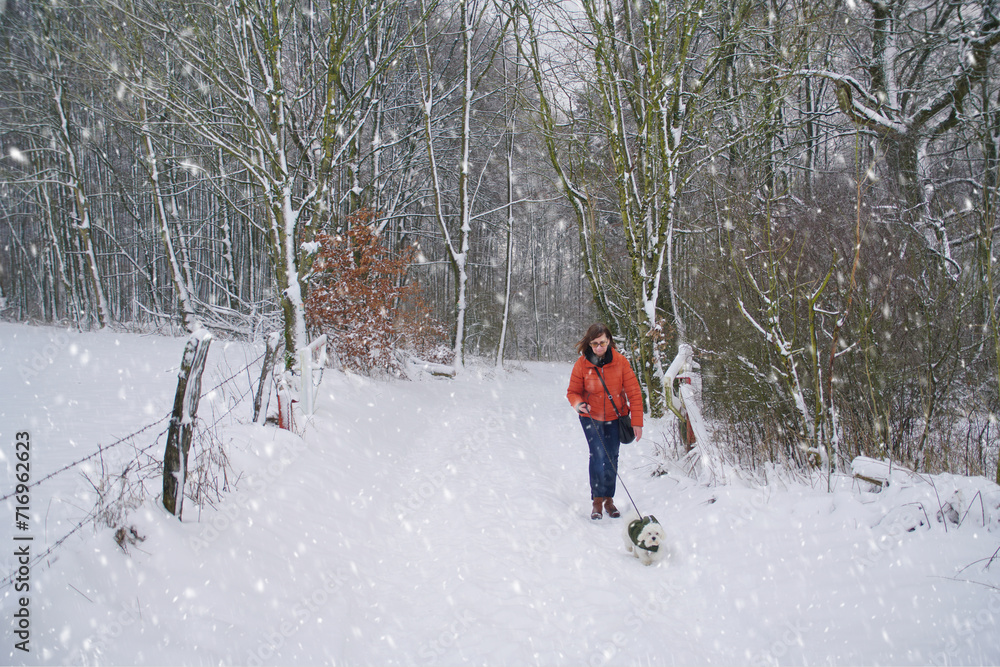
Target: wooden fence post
{"type": "Point", "coordinates": [684, 404]}
{"type": "Point", "coordinates": [286, 416]}
{"type": "Point", "coordinates": [307, 362]}
{"type": "Point", "coordinates": [684, 423]}
{"type": "Point", "coordinates": [273, 343]}
{"type": "Point", "coordinates": [182, 420]}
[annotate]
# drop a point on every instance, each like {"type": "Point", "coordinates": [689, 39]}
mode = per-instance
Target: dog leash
{"type": "Point", "coordinates": [614, 467]}
{"type": "Point", "coordinates": [642, 521]}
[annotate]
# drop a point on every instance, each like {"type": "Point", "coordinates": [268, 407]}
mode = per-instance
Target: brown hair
{"type": "Point", "coordinates": [594, 332]}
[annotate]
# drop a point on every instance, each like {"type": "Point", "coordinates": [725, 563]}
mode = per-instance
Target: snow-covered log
{"type": "Point", "coordinates": [415, 366]}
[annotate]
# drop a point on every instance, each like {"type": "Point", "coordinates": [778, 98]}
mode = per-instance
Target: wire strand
{"type": "Point", "coordinates": [101, 449]}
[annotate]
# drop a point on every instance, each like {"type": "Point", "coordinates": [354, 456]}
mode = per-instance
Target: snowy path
{"type": "Point", "coordinates": [447, 522]}
{"type": "Point", "coordinates": [479, 549]}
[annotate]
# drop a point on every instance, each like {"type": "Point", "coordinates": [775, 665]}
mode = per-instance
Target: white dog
{"type": "Point", "coordinates": [645, 539]}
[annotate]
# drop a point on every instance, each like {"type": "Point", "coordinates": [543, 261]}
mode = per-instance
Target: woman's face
{"type": "Point", "coordinates": [599, 345]}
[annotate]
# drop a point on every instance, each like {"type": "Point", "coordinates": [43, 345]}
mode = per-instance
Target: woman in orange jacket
{"type": "Point", "coordinates": [600, 422]}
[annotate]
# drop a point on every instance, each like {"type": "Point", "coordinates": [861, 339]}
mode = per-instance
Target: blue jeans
{"type": "Point", "coordinates": [602, 437]}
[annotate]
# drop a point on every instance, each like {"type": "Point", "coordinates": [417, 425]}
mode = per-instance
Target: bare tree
{"type": "Point", "coordinates": [53, 143]}
{"type": "Point", "coordinates": [230, 82]}
{"type": "Point", "coordinates": [924, 61]}
{"type": "Point", "coordinates": [475, 38]}
{"type": "Point", "coordinates": [650, 66]}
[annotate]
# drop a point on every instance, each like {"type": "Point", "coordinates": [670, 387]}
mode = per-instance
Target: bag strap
{"type": "Point", "coordinates": [601, 376]}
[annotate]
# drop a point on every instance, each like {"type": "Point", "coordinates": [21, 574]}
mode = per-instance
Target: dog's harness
{"type": "Point", "coordinates": [636, 527]}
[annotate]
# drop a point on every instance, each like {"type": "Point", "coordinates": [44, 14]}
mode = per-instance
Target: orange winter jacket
{"type": "Point", "coordinates": [586, 387]}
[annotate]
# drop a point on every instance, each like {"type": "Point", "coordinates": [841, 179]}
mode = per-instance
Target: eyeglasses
{"type": "Point", "coordinates": [599, 343]}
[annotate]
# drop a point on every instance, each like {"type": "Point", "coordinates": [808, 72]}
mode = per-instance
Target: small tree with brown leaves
{"type": "Point", "coordinates": [360, 298]}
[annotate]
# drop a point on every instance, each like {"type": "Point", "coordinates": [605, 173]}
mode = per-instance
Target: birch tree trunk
{"type": "Point", "coordinates": [509, 258]}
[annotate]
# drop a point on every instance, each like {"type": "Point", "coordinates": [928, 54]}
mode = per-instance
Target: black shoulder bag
{"type": "Point", "coordinates": [626, 433]}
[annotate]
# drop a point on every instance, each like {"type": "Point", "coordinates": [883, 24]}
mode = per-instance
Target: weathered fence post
{"type": "Point", "coordinates": [685, 428]}
{"type": "Point", "coordinates": [182, 420]}
{"type": "Point", "coordinates": [273, 344]}
{"type": "Point", "coordinates": [310, 357]}
{"type": "Point", "coordinates": [286, 417]}
{"type": "Point", "coordinates": [681, 364]}
{"type": "Point", "coordinates": [684, 404]}
{"type": "Point", "coordinates": [307, 362]}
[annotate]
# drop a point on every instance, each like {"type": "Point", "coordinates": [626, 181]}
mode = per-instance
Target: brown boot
{"type": "Point", "coordinates": [609, 505]}
{"type": "Point", "coordinates": [596, 512]}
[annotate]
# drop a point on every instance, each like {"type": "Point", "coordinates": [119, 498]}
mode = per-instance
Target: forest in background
{"type": "Point", "coordinates": [803, 191]}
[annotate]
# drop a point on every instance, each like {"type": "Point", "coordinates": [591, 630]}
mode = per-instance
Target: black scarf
{"type": "Point", "coordinates": [594, 359]}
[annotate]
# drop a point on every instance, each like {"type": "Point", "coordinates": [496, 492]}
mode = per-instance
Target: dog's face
{"type": "Point", "coordinates": [652, 536]}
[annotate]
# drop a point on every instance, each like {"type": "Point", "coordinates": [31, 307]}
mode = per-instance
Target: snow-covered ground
{"type": "Point", "coordinates": [446, 521]}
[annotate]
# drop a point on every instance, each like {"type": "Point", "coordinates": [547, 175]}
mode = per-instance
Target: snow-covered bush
{"type": "Point", "coordinates": [360, 297]}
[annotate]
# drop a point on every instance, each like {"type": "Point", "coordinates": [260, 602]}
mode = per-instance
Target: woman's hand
{"type": "Point", "coordinates": [638, 432]}
{"type": "Point", "coordinates": [582, 408]}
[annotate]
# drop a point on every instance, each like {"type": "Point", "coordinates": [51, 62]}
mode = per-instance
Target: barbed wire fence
{"type": "Point", "coordinates": [118, 493]}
